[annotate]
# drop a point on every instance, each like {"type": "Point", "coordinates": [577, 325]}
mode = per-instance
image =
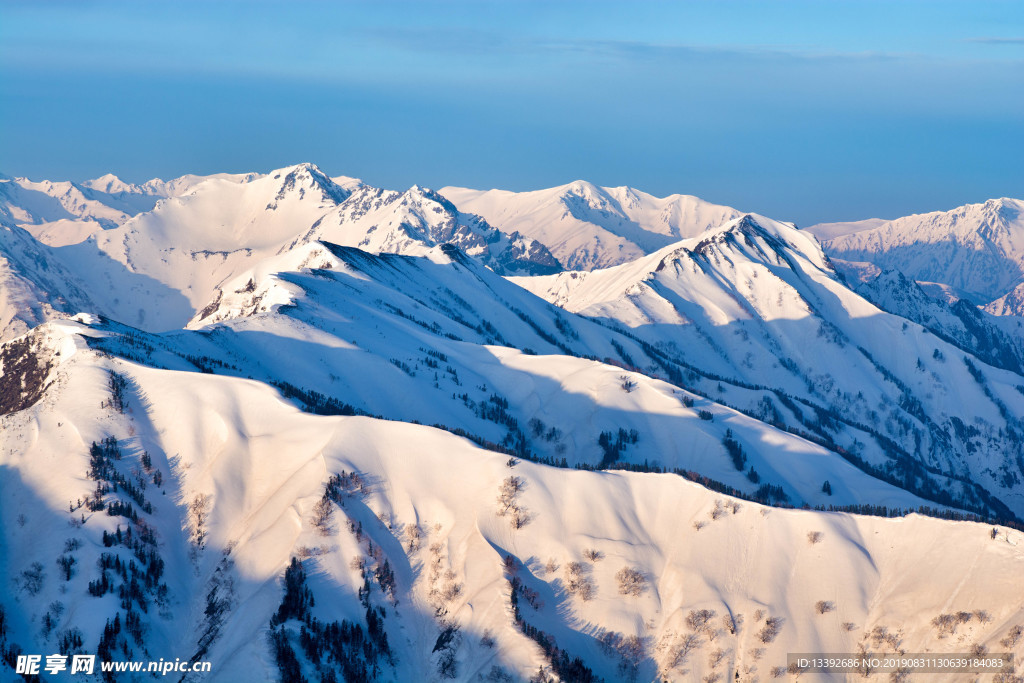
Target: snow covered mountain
{"type": "Point", "coordinates": [997, 341]}
{"type": "Point", "coordinates": [34, 288]}
{"type": "Point", "coordinates": [414, 221]}
{"type": "Point", "coordinates": [977, 249]}
{"type": "Point", "coordinates": [759, 315]}
{"type": "Point", "coordinates": [300, 427]}
{"type": "Point", "coordinates": [1011, 303]}
{"type": "Point", "coordinates": [60, 213]}
{"type": "Point", "coordinates": [200, 232]}
{"type": "Point", "coordinates": [589, 227]}
{"type": "Point", "coordinates": [273, 544]}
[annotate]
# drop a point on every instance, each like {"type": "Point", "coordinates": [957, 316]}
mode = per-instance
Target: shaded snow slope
{"type": "Point", "coordinates": [755, 304]}
{"type": "Point", "coordinates": [997, 341]}
{"type": "Point", "coordinates": [442, 340]}
{"type": "Point", "coordinates": [415, 541]}
{"type": "Point", "coordinates": [977, 249]}
{"type": "Point", "coordinates": [34, 287]}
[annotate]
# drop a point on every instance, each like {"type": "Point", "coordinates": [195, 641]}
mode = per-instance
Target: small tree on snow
{"type": "Point", "coordinates": [323, 512]}
{"type": "Point", "coordinates": [508, 493]}
{"type": "Point", "coordinates": [199, 513]}
{"type": "Point", "coordinates": [772, 626]}
{"type": "Point", "coordinates": [631, 581]}
{"type": "Point", "coordinates": [508, 502]}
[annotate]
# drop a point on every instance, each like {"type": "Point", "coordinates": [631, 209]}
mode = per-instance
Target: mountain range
{"type": "Point", "coordinates": [306, 428]}
{"type": "Point", "coordinates": [976, 250]}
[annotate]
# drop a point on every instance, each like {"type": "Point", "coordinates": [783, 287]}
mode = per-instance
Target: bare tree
{"type": "Point", "coordinates": [508, 493]}
{"type": "Point", "coordinates": [772, 626]}
{"type": "Point", "coordinates": [689, 643]}
{"type": "Point", "coordinates": [732, 623]}
{"type": "Point", "coordinates": [577, 583]}
{"type": "Point", "coordinates": [414, 535]}
{"type": "Point", "coordinates": [323, 512]}
{"type": "Point", "coordinates": [199, 514]}
{"type": "Point", "coordinates": [699, 621]}
{"type": "Point", "coordinates": [1013, 637]}
{"type": "Point", "coordinates": [508, 505]}
{"type": "Point", "coordinates": [631, 581]}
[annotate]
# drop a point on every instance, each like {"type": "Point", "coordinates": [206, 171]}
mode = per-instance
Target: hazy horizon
{"type": "Point", "coordinates": [802, 111]}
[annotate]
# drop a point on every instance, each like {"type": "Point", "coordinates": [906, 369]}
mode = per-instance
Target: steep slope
{"type": "Point", "coordinates": [34, 286]}
{"type": "Point", "coordinates": [977, 249]}
{"type": "Point", "coordinates": [589, 227]}
{"type": "Point", "coordinates": [959, 323]}
{"type": "Point", "coordinates": [157, 268]}
{"type": "Point", "coordinates": [414, 221]}
{"type": "Point", "coordinates": [442, 340]}
{"type": "Point", "coordinates": [764, 324]}
{"type": "Point", "coordinates": [211, 521]}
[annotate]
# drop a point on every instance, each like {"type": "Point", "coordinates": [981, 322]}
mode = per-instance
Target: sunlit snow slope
{"type": "Point", "coordinates": [305, 428]}
{"type": "Point", "coordinates": [587, 226]}
{"type": "Point", "coordinates": [408, 545]}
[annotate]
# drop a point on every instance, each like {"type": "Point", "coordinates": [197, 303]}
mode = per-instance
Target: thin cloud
{"type": "Point", "coordinates": [642, 50]}
{"type": "Point", "coordinates": [477, 42]}
{"type": "Point", "coordinates": [996, 40]}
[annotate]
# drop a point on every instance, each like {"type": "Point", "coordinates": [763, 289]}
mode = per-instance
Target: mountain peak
{"type": "Point", "coordinates": [425, 193]}
{"type": "Point", "coordinates": [309, 176]}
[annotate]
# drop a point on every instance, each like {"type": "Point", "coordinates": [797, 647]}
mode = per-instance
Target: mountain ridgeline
{"type": "Point", "coordinates": [308, 429]}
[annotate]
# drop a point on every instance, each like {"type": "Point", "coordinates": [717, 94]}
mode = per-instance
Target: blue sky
{"type": "Point", "coordinates": [805, 111]}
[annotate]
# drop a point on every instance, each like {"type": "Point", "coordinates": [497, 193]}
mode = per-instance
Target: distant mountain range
{"type": "Point", "coordinates": [977, 250]}
{"type": "Point", "coordinates": [588, 227]}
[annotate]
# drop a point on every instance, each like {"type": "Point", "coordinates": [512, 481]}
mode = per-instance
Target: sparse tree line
{"type": "Point", "coordinates": [613, 444]}
{"type": "Point", "coordinates": [904, 471]}
{"type": "Point", "coordinates": [336, 650]}
{"type": "Point", "coordinates": [136, 580]}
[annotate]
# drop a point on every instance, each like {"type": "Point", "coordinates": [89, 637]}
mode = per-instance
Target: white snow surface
{"type": "Point", "coordinates": [262, 466]}
{"type": "Point", "coordinates": [587, 226]}
{"type": "Point", "coordinates": [756, 302]}
{"type": "Point", "coordinates": [242, 338]}
{"type": "Point", "coordinates": [977, 249]}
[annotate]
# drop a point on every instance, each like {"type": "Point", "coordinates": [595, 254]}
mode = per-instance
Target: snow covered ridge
{"type": "Point", "coordinates": [763, 323]}
{"type": "Point", "coordinates": [588, 227]}
{"type": "Point", "coordinates": [293, 424]}
{"type": "Point", "coordinates": [275, 543]}
{"type": "Point", "coordinates": [179, 241]}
